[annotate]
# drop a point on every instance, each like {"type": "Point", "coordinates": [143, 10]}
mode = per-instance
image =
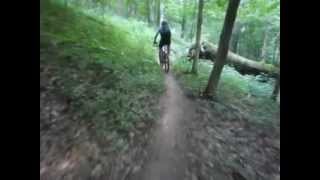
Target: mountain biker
{"type": "Point", "coordinates": [165, 34]}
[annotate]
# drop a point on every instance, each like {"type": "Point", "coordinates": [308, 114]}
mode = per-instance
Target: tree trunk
{"type": "Point", "coordinates": [65, 3]}
{"type": "Point", "coordinates": [276, 89]}
{"type": "Point", "coordinates": [235, 41]}
{"type": "Point", "coordinates": [152, 11]}
{"type": "Point", "coordinates": [278, 96]}
{"type": "Point", "coordinates": [276, 45]}
{"type": "Point", "coordinates": [119, 7]}
{"type": "Point", "coordinates": [131, 8]}
{"type": "Point", "coordinates": [183, 26]}
{"type": "Point", "coordinates": [264, 47]}
{"type": "Point", "coordinates": [128, 11]}
{"type": "Point", "coordinates": [162, 12]}
{"type": "Point", "coordinates": [278, 56]}
{"type": "Point", "coordinates": [134, 9]}
{"type": "Point", "coordinates": [148, 12]}
{"type": "Point", "coordinates": [199, 24]}
{"type": "Point", "coordinates": [235, 38]}
{"type": "Point", "coordinates": [158, 13]}
{"type": "Point", "coordinates": [223, 48]}
{"type": "Point", "coordinates": [183, 22]}
{"type": "Point", "coordinates": [192, 29]}
{"type": "Point", "coordinates": [275, 54]}
{"type": "Point", "coordinates": [122, 10]}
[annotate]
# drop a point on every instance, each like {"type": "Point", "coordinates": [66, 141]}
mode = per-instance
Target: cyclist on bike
{"type": "Point", "coordinates": [165, 34]}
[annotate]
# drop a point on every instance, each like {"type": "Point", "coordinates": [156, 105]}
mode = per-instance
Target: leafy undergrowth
{"type": "Point", "coordinates": [105, 67]}
{"type": "Point", "coordinates": [241, 92]}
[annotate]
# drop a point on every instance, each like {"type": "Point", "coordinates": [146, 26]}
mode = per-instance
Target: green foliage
{"type": "Point", "coordinates": [256, 17]}
{"type": "Point", "coordinates": [259, 17]}
{"type": "Point", "coordinates": [174, 11]}
{"type": "Point", "coordinates": [232, 84]}
{"type": "Point", "coordinates": [105, 65]}
{"type": "Point", "coordinates": [233, 88]}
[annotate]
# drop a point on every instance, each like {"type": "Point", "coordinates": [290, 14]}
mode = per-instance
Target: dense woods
{"type": "Point", "coordinates": [255, 34]}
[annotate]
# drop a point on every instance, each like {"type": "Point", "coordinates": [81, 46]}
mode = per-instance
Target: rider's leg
{"type": "Point", "coordinates": [160, 53]}
{"type": "Point", "coordinates": [168, 51]}
{"type": "Point", "coordinates": [159, 56]}
{"type": "Point", "coordinates": [168, 68]}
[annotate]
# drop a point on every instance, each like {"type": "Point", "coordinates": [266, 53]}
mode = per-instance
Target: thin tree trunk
{"type": "Point", "coordinates": [158, 12]}
{"type": "Point", "coordinates": [223, 48]}
{"type": "Point", "coordinates": [276, 89]}
{"type": "Point", "coordinates": [235, 42]}
{"type": "Point", "coordinates": [235, 38]}
{"type": "Point", "coordinates": [193, 22]}
{"type": "Point", "coordinates": [183, 22]}
{"type": "Point", "coordinates": [278, 96]}
{"type": "Point", "coordinates": [276, 44]}
{"type": "Point", "coordinates": [119, 7]}
{"type": "Point", "coordinates": [277, 56]}
{"type": "Point", "coordinates": [129, 8]}
{"type": "Point", "coordinates": [122, 10]}
{"type": "Point", "coordinates": [148, 12]}
{"type": "Point", "coordinates": [134, 9]}
{"type": "Point", "coordinates": [66, 3]}
{"type": "Point", "coordinates": [128, 11]}
{"type": "Point", "coordinates": [162, 12]}
{"type": "Point", "coordinates": [183, 26]}
{"type": "Point", "coordinates": [264, 47]}
{"type": "Point", "coordinates": [199, 24]}
{"type": "Point", "coordinates": [152, 10]}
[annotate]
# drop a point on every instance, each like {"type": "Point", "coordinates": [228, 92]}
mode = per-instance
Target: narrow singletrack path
{"type": "Point", "coordinates": [168, 148]}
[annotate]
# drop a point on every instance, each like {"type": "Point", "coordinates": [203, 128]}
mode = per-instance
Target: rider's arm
{"type": "Point", "coordinates": [155, 37]}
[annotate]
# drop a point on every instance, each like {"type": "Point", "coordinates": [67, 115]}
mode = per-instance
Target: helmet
{"type": "Point", "coordinates": [164, 23]}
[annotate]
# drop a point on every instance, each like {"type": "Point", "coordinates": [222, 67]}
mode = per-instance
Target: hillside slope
{"type": "Point", "coordinates": [93, 74]}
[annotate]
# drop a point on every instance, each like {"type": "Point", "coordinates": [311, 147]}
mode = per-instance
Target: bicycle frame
{"type": "Point", "coordinates": [164, 55]}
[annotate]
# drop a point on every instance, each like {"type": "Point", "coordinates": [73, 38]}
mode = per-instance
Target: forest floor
{"type": "Point", "coordinates": [193, 140]}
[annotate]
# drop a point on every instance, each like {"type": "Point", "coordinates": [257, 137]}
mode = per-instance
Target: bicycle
{"type": "Point", "coordinates": [164, 58]}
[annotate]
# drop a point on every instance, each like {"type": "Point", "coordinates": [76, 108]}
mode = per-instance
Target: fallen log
{"type": "Point", "coordinates": [241, 64]}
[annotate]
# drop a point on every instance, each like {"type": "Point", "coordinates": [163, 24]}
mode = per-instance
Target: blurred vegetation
{"type": "Point", "coordinates": [244, 92]}
{"type": "Point", "coordinates": [255, 35]}
{"type": "Point", "coordinates": [105, 65]}
{"type": "Point", "coordinates": [101, 56]}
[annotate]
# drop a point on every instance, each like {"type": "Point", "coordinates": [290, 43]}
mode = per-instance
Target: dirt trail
{"type": "Point", "coordinates": [194, 139]}
{"type": "Point", "coordinates": [168, 148]}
